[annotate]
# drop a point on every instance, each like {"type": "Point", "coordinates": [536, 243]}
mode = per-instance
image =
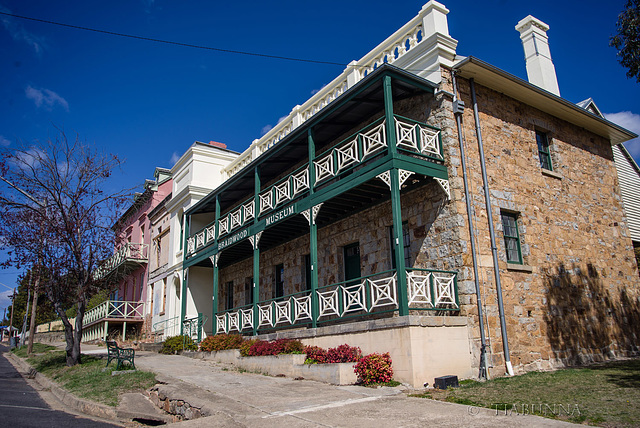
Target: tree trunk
{"type": "Point", "coordinates": [32, 326]}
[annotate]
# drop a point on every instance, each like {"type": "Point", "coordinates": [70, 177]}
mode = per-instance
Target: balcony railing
{"type": "Point", "coordinates": [427, 289]}
{"type": "Point", "coordinates": [115, 309]}
{"type": "Point", "coordinates": [129, 252]}
{"type": "Point", "coordinates": [413, 138]}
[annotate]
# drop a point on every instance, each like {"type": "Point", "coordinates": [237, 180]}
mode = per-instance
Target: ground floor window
{"type": "Point", "coordinates": [248, 290]}
{"type": "Point", "coordinates": [279, 278]}
{"type": "Point", "coordinates": [229, 294]}
{"type": "Point", "coordinates": [351, 254]}
{"type": "Point", "coordinates": [307, 271]}
{"type": "Point", "coordinates": [406, 245]}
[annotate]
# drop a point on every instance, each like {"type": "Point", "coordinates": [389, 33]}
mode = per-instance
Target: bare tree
{"type": "Point", "coordinates": [56, 213]}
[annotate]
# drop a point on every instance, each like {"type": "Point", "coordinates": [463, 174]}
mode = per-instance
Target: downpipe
{"type": "Point", "coordinates": [458, 107]}
{"type": "Point", "coordinates": [494, 247]}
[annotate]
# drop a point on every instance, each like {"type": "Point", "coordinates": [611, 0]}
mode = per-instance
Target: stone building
{"type": "Point", "coordinates": [458, 217]}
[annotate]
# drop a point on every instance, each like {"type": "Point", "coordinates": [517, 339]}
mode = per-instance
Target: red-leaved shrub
{"type": "Point", "coordinates": [280, 346]}
{"type": "Point", "coordinates": [315, 354]}
{"type": "Point", "coordinates": [374, 368]}
{"type": "Point", "coordinates": [343, 354]}
{"type": "Point", "coordinates": [220, 342]}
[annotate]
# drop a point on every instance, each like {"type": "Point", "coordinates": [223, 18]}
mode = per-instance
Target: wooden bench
{"type": "Point", "coordinates": [114, 352]}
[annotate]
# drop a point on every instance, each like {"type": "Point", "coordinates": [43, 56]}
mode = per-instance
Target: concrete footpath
{"type": "Point", "coordinates": [225, 397]}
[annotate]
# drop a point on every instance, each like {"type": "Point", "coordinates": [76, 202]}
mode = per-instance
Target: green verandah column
{"type": "Point", "coordinates": [313, 236]}
{"type": "Point", "coordinates": [214, 261]}
{"type": "Point", "coordinates": [256, 253]}
{"type": "Point", "coordinates": [396, 206]}
{"type": "Point", "coordinates": [396, 210]}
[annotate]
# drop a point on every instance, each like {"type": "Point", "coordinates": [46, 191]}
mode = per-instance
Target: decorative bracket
{"type": "Point", "coordinates": [402, 177]}
{"type": "Point", "coordinates": [214, 259]}
{"type": "Point", "coordinates": [312, 213]}
{"type": "Point", "coordinates": [445, 186]}
{"type": "Point", "coordinates": [386, 177]}
{"type": "Point", "coordinates": [255, 239]}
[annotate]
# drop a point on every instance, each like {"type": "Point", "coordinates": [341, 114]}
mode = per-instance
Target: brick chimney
{"type": "Point", "coordinates": [216, 144]}
{"type": "Point", "coordinates": [540, 68]}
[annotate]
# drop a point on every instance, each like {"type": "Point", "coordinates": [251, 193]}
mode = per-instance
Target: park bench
{"type": "Point", "coordinates": [114, 352]}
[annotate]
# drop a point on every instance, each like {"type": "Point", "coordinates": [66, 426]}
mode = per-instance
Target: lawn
{"type": "Point", "coordinates": [604, 395]}
{"type": "Point", "coordinates": [86, 380]}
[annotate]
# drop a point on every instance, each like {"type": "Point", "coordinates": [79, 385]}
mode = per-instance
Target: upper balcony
{"type": "Point", "coordinates": [127, 258]}
{"type": "Point", "coordinates": [332, 159]}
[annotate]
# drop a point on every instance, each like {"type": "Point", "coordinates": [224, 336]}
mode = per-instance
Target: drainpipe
{"type": "Point", "coordinates": [494, 247]}
{"type": "Point", "coordinates": [458, 108]}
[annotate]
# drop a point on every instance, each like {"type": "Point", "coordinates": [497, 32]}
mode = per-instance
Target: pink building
{"type": "Point", "coordinates": [129, 266]}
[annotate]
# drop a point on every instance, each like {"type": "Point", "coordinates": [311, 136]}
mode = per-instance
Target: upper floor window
{"type": "Point", "coordinates": [511, 237]}
{"type": "Point", "coordinates": [406, 245]}
{"type": "Point", "coordinates": [543, 150]}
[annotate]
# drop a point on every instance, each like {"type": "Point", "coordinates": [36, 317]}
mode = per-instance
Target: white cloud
{"type": "Point", "coordinates": [315, 91]}
{"type": "Point", "coordinates": [630, 121]}
{"type": "Point", "coordinates": [45, 98]}
{"type": "Point", "coordinates": [19, 34]}
{"type": "Point", "coordinates": [265, 129]}
{"type": "Point", "coordinates": [174, 158]}
{"type": "Point", "coordinates": [5, 301]}
{"type": "Point", "coordinates": [282, 118]}
{"type": "Point", "coordinates": [4, 142]}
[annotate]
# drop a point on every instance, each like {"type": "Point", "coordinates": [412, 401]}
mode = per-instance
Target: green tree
{"type": "Point", "coordinates": [627, 41]}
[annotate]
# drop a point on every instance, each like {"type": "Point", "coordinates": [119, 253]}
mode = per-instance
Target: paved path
{"type": "Point", "coordinates": [245, 399]}
{"type": "Point", "coordinates": [22, 403]}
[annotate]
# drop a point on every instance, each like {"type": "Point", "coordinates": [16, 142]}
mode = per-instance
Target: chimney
{"type": "Point", "coordinates": [535, 43]}
{"type": "Point", "coordinates": [216, 144]}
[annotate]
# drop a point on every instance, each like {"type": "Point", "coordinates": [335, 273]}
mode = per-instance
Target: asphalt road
{"type": "Point", "coordinates": [21, 404]}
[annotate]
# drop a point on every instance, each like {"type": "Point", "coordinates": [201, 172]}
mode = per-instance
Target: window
{"type": "Point", "coordinates": [406, 245]}
{"type": "Point", "coordinates": [164, 295]}
{"type": "Point", "coordinates": [351, 255]}
{"type": "Point", "coordinates": [248, 290]}
{"type": "Point", "coordinates": [307, 271]}
{"type": "Point", "coordinates": [511, 237]}
{"type": "Point", "coordinates": [279, 285]}
{"type": "Point", "coordinates": [543, 150]}
{"type": "Point", "coordinates": [229, 294]}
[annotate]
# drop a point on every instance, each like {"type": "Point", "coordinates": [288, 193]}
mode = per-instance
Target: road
{"type": "Point", "coordinates": [22, 403]}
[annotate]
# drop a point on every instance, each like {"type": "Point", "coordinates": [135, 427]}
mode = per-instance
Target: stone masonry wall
{"type": "Point", "coordinates": [575, 297]}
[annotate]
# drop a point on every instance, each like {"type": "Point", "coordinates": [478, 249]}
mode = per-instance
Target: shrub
{"type": "Point", "coordinates": [245, 346]}
{"type": "Point", "coordinates": [220, 342]}
{"type": "Point", "coordinates": [343, 354]}
{"type": "Point", "coordinates": [178, 343]}
{"type": "Point", "coordinates": [280, 346]}
{"type": "Point", "coordinates": [315, 355]}
{"type": "Point", "coordinates": [374, 368]}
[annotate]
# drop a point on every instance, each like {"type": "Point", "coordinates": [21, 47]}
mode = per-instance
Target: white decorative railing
{"type": "Point", "coordinates": [389, 51]}
{"type": "Point", "coordinates": [128, 251]}
{"type": "Point", "coordinates": [114, 309]}
{"type": "Point", "coordinates": [167, 327]}
{"type": "Point", "coordinates": [426, 289]}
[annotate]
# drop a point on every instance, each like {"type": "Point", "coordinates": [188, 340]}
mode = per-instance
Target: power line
{"type": "Point", "coordinates": [169, 42]}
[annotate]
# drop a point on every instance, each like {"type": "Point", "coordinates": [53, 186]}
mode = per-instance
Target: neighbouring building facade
{"type": "Point", "coordinates": [454, 215]}
{"type": "Point", "coordinates": [126, 312]}
{"type": "Point", "coordinates": [195, 174]}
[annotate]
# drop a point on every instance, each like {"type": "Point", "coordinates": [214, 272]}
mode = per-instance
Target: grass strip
{"type": "Point", "coordinates": [88, 380]}
{"type": "Point", "coordinates": [603, 395]}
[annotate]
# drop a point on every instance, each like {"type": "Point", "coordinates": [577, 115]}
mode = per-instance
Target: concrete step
{"type": "Point", "coordinates": [137, 407]}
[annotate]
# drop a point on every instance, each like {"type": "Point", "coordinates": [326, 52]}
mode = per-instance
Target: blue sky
{"type": "Point", "coordinates": [148, 102]}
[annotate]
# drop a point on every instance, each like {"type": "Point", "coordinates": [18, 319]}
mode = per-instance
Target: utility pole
{"type": "Point", "coordinates": [13, 303]}
{"type": "Point", "coordinates": [26, 314]}
{"type": "Point", "coordinates": [32, 326]}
